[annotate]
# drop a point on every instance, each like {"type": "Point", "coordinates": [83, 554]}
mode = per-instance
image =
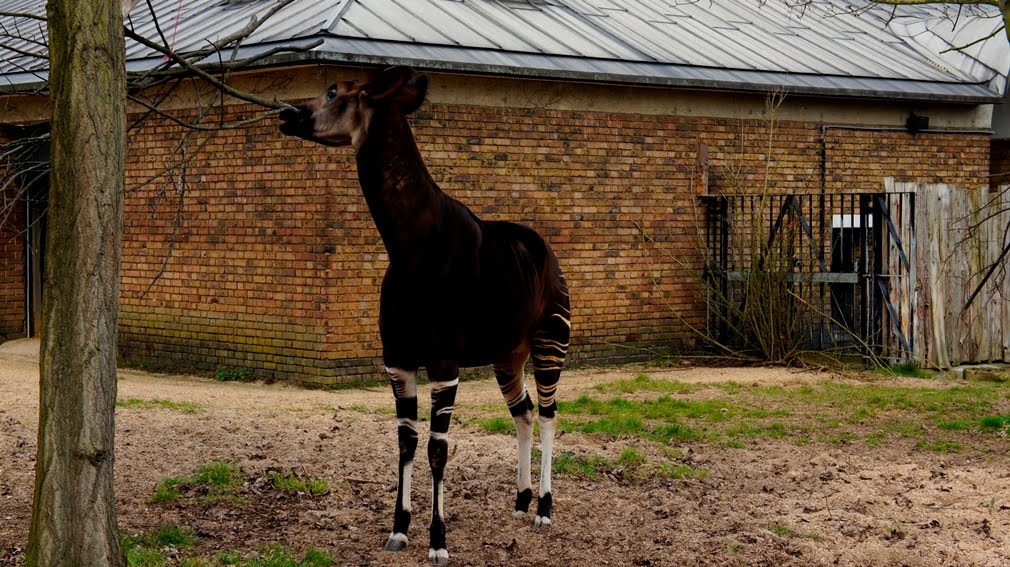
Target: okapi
{"type": "Point", "coordinates": [459, 291]}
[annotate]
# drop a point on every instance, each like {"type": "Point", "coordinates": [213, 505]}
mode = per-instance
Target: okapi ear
{"type": "Point", "coordinates": [387, 83]}
{"type": "Point", "coordinates": [411, 96]}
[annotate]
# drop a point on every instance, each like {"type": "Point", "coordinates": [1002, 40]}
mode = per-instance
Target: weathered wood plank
{"type": "Point", "coordinates": [937, 201]}
{"type": "Point", "coordinates": [958, 233]}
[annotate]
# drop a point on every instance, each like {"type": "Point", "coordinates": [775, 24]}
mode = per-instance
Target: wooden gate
{"type": "Point", "coordinates": [918, 272]}
{"type": "Point", "coordinates": [962, 313]}
{"type": "Point", "coordinates": [890, 274]}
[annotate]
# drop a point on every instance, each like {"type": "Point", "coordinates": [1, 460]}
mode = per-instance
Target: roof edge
{"type": "Point", "coordinates": [439, 58]}
{"type": "Point", "coordinates": [534, 66]}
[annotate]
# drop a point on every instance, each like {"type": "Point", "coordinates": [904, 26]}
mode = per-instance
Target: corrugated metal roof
{"type": "Point", "coordinates": [825, 49]}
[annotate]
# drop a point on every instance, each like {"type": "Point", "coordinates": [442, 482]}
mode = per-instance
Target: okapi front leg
{"type": "Point", "coordinates": [443, 396]}
{"type": "Point", "coordinates": [404, 384]}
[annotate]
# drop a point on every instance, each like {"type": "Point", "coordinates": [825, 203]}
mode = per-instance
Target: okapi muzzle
{"type": "Point", "coordinates": [296, 121]}
{"type": "Point", "coordinates": [338, 117]}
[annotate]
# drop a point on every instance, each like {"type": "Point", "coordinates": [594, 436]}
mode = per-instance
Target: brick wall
{"type": "Point", "coordinates": [12, 270]}
{"type": "Point", "coordinates": [276, 265]}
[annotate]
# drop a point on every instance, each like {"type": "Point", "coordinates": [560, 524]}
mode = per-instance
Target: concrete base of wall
{"type": "Point", "coordinates": [326, 373]}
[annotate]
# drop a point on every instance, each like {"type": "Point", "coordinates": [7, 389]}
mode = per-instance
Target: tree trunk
{"type": "Point", "coordinates": [73, 517]}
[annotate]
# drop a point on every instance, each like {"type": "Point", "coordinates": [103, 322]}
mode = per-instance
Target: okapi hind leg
{"type": "Point", "coordinates": [444, 380]}
{"type": "Point", "coordinates": [404, 384]}
{"type": "Point", "coordinates": [513, 387]}
{"type": "Point", "coordinates": [550, 346]}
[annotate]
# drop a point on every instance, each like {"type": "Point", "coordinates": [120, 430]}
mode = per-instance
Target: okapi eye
{"type": "Point", "coordinates": [331, 94]}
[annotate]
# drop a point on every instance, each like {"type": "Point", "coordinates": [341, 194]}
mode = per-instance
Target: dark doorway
{"type": "Point", "coordinates": [32, 162]}
{"type": "Point", "coordinates": [37, 204]}
{"type": "Point", "coordinates": [846, 244]}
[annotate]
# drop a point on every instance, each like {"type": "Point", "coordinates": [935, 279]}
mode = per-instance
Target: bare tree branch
{"type": "Point", "coordinates": [236, 93]}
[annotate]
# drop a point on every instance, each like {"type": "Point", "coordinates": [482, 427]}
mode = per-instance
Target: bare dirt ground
{"type": "Point", "coordinates": [847, 504]}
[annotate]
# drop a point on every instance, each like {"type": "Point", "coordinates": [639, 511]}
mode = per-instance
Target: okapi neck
{"type": "Point", "coordinates": [398, 188]}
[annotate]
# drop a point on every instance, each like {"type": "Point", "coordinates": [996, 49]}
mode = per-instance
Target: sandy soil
{"type": "Point", "coordinates": [846, 505]}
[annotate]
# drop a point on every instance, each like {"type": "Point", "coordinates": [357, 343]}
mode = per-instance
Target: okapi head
{"type": "Point", "coordinates": [344, 112]}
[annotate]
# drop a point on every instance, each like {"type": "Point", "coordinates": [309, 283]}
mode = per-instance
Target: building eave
{"type": "Point", "coordinates": [439, 58]}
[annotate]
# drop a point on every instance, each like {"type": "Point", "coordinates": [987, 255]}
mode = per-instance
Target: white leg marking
{"type": "Point", "coordinates": [406, 421]}
{"type": "Point", "coordinates": [438, 555]}
{"type": "Point", "coordinates": [404, 382]}
{"type": "Point", "coordinates": [408, 473]}
{"type": "Point", "coordinates": [399, 538]}
{"type": "Point", "coordinates": [546, 452]}
{"type": "Point", "coordinates": [540, 522]}
{"type": "Point", "coordinates": [524, 432]}
{"type": "Point", "coordinates": [441, 499]}
{"type": "Point", "coordinates": [436, 436]}
{"type": "Point", "coordinates": [437, 387]}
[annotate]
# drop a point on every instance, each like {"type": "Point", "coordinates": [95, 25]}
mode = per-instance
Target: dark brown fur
{"type": "Point", "coordinates": [459, 291]}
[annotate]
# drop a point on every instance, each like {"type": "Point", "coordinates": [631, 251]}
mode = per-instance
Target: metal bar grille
{"type": "Point", "coordinates": [843, 260]}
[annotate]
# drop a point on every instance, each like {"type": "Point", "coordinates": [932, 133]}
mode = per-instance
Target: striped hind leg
{"type": "Point", "coordinates": [512, 383]}
{"type": "Point", "coordinates": [550, 345]}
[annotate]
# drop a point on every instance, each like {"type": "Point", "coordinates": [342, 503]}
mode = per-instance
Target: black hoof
{"type": "Point", "coordinates": [543, 519]}
{"type": "Point", "coordinates": [523, 500]}
{"type": "Point", "coordinates": [396, 542]}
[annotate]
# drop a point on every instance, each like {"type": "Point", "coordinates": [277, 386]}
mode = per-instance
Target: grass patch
{"type": "Point", "coordinates": [229, 558]}
{"type": "Point", "coordinates": [275, 556]}
{"type": "Point", "coordinates": [876, 438]}
{"type": "Point", "coordinates": [567, 463]}
{"type": "Point", "coordinates": [939, 417]}
{"type": "Point", "coordinates": [144, 557]}
{"type": "Point", "coordinates": [228, 374]}
{"type": "Point", "coordinates": [738, 432]}
{"type": "Point", "coordinates": [780, 529]}
{"type": "Point", "coordinates": [939, 446]}
{"type": "Point", "coordinates": [149, 550]}
{"type": "Point", "coordinates": [498, 425]}
{"type": "Point", "coordinates": [155, 548]}
{"type": "Point", "coordinates": [631, 458]}
{"type": "Point", "coordinates": [216, 481]}
{"type": "Point", "coordinates": [280, 556]}
{"type": "Point", "coordinates": [182, 407]}
{"type": "Point", "coordinates": [168, 490]}
{"type": "Point", "coordinates": [680, 472]}
{"type": "Point", "coordinates": [619, 417]}
{"type": "Point", "coordinates": [954, 424]}
{"type": "Point", "coordinates": [911, 369]}
{"type": "Point", "coordinates": [840, 438]}
{"type": "Point", "coordinates": [294, 484]}
{"type": "Point", "coordinates": [995, 422]}
{"type": "Point", "coordinates": [644, 383]}
{"type": "Point", "coordinates": [877, 398]}
{"type": "Point", "coordinates": [375, 410]}
{"type": "Point", "coordinates": [829, 412]}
